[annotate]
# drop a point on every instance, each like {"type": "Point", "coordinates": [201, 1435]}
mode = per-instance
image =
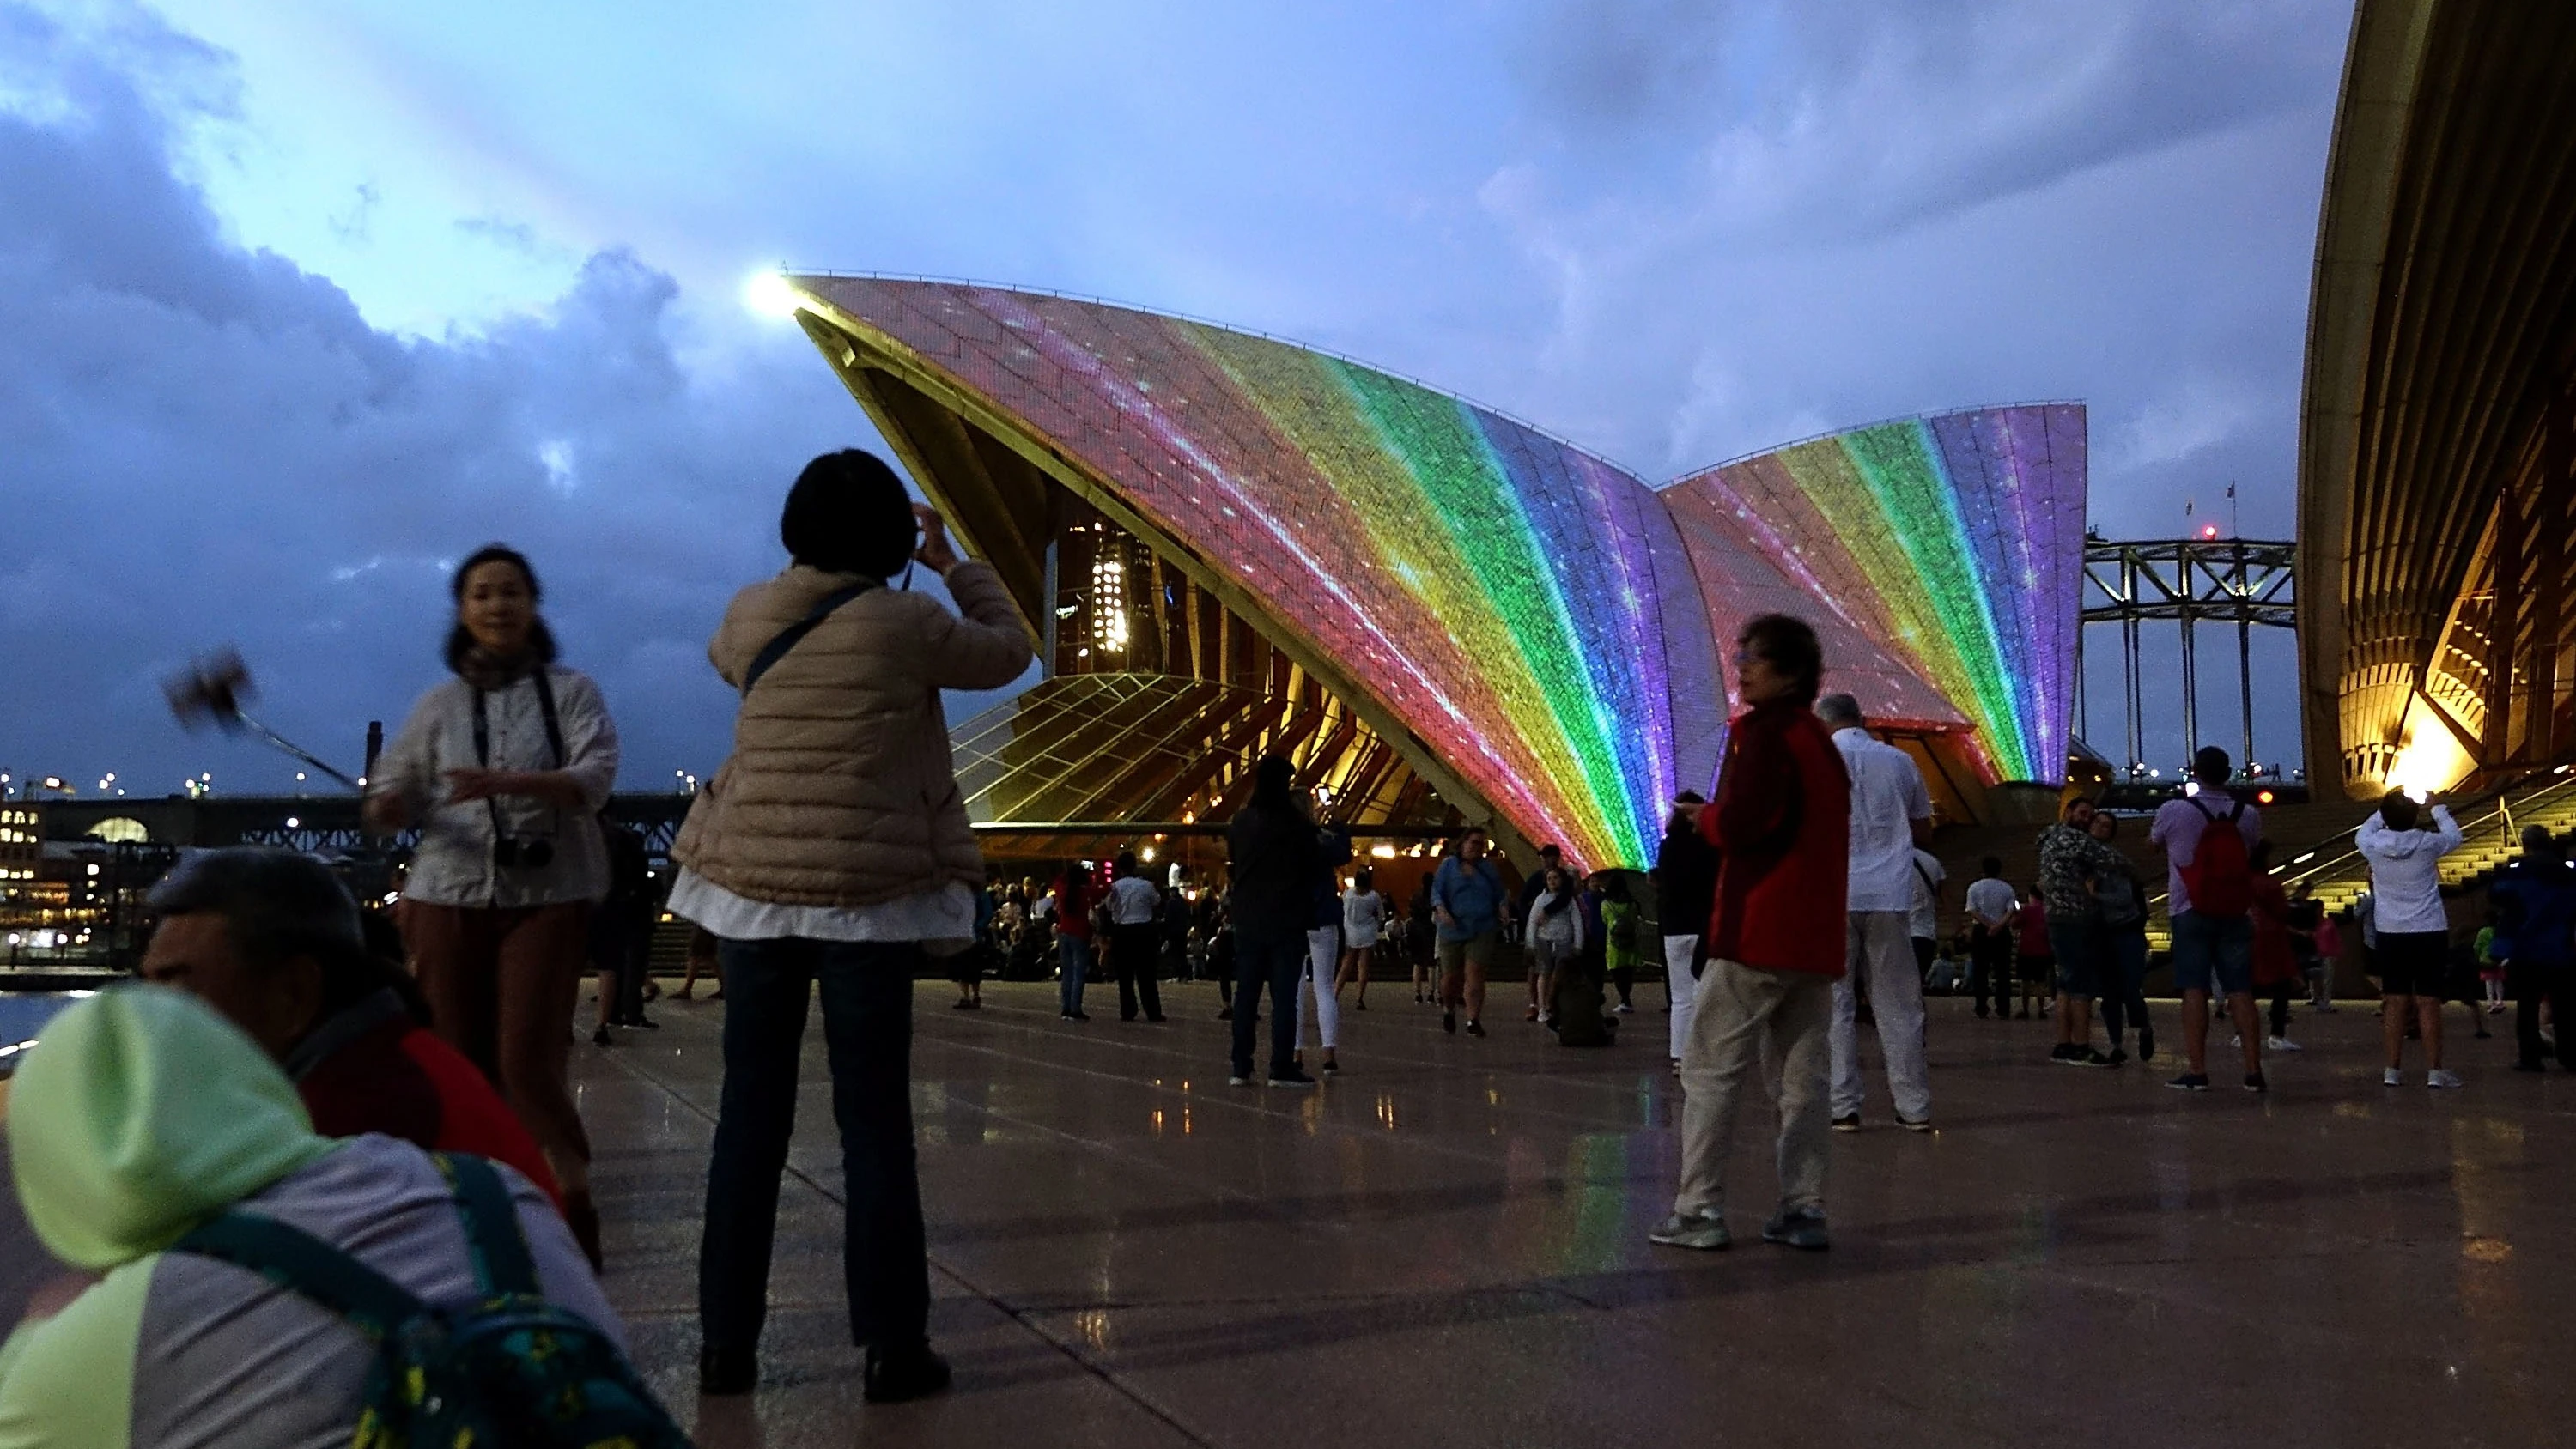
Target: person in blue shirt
{"type": "Point", "coordinates": [2535, 936]}
{"type": "Point", "coordinates": [1467, 896]}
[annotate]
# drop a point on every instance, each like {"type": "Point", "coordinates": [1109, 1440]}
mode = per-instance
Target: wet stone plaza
{"type": "Point", "coordinates": [1446, 1245]}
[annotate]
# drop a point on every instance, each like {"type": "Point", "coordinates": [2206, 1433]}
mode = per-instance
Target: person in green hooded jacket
{"type": "Point", "coordinates": [141, 1113]}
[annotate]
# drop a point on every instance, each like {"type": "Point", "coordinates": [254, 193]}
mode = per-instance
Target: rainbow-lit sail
{"type": "Point", "coordinates": [1954, 542]}
{"type": "Point", "coordinates": [1530, 613]}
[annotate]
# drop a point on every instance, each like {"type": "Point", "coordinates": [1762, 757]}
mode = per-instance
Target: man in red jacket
{"type": "Point", "coordinates": [272, 941]}
{"type": "Point", "coordinates": [1780, 823]}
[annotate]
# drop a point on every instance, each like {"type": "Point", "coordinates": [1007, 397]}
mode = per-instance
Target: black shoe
{"type": "Point", "coordinates": [1081, 1016]}
{"type": "Point", "coordinates": [1848, 1122]}
{"type": "Point", "coordinates": [1475, 1027]}
{"type": "Point", "coordinates": [1293, 1077]}
{"type": "Point", "coordinates": [723, 1371]}
{"type": "Point", "coordinates": [2025, 1014]}
{"type": "Point", "coordinates": [961, 1005]}
{"type": "Point", "coordinates": [643, 1022]}
{"type": "Point", "coordinates": [1982, 1013]}
{"type": "Point", "coordinates": [601, 1037]}
{"type": "Point", "coordinates": [2086, 1056]}
{"type": "Point", "coordinates": [2064, 1052]}
{"type": "Point", "coordinates": [1156, 1019]}
{"type": "Point", "coordinates": [2116, 1057]}
{"type": "Point", "coordinates": [1225, 1013]}
{"type": "Point", "coordinates": [2190, 1082]}
{"type": "Point", "coordinates": [1449, 1022]}
{"type": "Point", "coordinates": [2146, 1045]}
{"type": "Point", "coordinates": [912, 1373]}
{"type": "Point", "coordinates": [2254, 1082]}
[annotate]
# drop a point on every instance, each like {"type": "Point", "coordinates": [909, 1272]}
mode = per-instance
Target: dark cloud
{"type": "Point", "coordinates": [208, 445]}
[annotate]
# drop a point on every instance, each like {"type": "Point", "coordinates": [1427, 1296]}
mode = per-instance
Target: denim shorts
{"type": "Point", "coordinates": [2206, 947]}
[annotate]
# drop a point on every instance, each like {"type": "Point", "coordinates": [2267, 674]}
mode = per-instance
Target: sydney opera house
{"type": "Point", "coordinates": [2437, 472]}
{"type": "Point", "coordinates": [1231, 544]}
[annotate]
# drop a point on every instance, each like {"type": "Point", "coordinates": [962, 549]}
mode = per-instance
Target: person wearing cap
{"type": "Point", "coordinates": [273, 941]}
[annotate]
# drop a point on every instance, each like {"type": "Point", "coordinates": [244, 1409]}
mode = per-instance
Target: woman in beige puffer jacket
{"type": "Point", "coordinates": [829, 849]}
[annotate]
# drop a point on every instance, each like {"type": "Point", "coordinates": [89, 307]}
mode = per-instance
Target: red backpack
{"type": "Point", "coordinates": [2219, 879]}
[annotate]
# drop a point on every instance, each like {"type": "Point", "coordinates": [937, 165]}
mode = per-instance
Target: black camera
{"type": "Point", "coordinates": [511, 853]}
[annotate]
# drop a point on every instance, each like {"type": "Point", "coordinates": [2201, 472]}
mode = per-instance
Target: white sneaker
{"type": "Point", "coordinates": [2281, 1044]}
{"type": "Point", "coordinates": [2392, 1077]}
{"type": "Point", "coordinates": [2236, 1041]}
{"type": "Point", "coordinates": [2439, 1079]}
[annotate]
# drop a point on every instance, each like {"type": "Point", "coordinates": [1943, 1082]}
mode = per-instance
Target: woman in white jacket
{"type": "Point", "coordinates": [1554, 932]}
{"type": "Point", "coordinates": [2414, 931]}
{"type": "Point", "coordinates": [504, 769]}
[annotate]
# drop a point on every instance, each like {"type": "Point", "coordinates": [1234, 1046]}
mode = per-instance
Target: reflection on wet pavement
{"type": "Point", "coordinates": [1446, 1245]}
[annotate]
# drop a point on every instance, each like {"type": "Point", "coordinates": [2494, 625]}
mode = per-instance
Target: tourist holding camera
{"type": "Point", "coordinates": [504, 769]}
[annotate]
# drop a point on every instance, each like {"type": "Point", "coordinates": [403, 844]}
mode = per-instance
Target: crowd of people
{"type": "Point", "coordinates": [324, 1098]}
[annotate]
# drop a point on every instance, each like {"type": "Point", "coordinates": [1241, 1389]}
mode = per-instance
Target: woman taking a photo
{"type": "Point", "coordinates": [504, 769]}
{"type": "Point", "coordinates": [833, 851]}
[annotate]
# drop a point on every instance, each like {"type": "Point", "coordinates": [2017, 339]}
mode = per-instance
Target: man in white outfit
{"type": "Point", "coordinates": [1891, 816]}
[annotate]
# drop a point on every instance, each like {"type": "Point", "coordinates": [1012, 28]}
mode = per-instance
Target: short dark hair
{"type": "Point", "coordinates": [1789, 644]}
{"type": "Point", "coordinates": [1125, 864]}
{"type": "Point", "coordinates": [277, 905]}
{"type": "Point", "coordinates": [1992, 865]}
{"type": "Point", "coordinates": [2210, 765]}
{"type": "Point", "coordinates": [1690, 797]}
{"type": "Point", "coordinates": [541, 640]}
{"type": "Point", "coordinates": [1273, 782]}
{"type": "Point", "coordinates": [849, 514]}
{"type": "Point", "coordinates": [2398, 810]}
{"type": "Point", "coordinates": [1551, 848]}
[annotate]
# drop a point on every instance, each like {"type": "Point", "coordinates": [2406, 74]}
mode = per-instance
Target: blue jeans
{"type": "Point", "coordinates": [1277, 960]}
{"type": "Point", "coordinates": [1075, 951]}
{"type": "Point", "coordinates": [867, 1038]}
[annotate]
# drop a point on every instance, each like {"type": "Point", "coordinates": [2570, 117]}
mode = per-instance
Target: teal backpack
{"type": "Point", "coordinates": [507, 1369]}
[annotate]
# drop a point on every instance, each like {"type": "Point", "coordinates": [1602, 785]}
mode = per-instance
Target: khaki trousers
{"type": "Point", "coordinates": [1740, 1017]}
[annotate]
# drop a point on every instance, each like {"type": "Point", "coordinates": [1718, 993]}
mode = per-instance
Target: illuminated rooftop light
{"type": "Point", "coordinates": [769, 294]}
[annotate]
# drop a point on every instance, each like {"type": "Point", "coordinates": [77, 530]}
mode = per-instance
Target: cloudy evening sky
{"type": "Point", "coordinates": [301, 298]}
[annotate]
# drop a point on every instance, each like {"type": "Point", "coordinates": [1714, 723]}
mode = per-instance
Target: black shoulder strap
{"type": "Point", "coordinates": [492, 1236]}
{"type": "Point", "coordinates": [546, 708]}
{"type": "Point", "coordinates": [303, 1264]}
{"type": "Point", "coordinates": [787, 638]}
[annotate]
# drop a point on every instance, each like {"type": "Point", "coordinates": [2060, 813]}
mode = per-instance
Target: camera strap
{"type": "Point", "coordinates": [483, 738]}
